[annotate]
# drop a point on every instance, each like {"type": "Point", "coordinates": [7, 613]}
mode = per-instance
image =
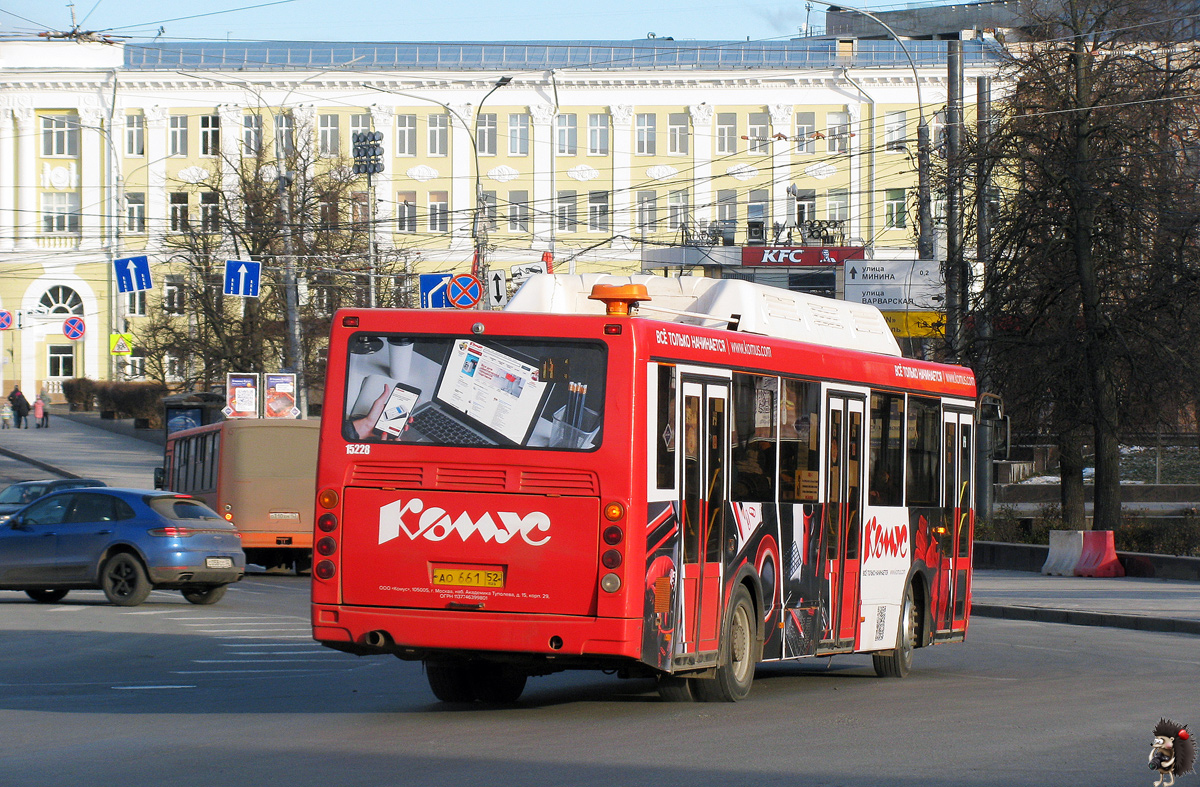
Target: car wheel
{"type": "Point", "coordinates": [450, 680]}
{"type": "Point", "coordinates": [124, 581]}
{"type": "Point", "coordinates": [738, 654]}
{"type": "Point", "coordinates": [209, 595]}
{"type": "Point", "coordinates": [898, 663]}
{"type": "Point", "coordinates": [46, 595]}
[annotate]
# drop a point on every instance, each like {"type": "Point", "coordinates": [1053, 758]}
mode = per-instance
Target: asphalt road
{"type": "Point", "coordinates": [238, 694]}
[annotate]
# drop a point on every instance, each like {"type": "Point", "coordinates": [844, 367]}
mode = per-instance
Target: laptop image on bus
{"type": "Point", "coordinates": [483, 397]}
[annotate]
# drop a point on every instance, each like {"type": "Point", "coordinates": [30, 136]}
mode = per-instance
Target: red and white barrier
{"type": "Point", "coordinates": [1099, 556]}
{"type": "Point", "coordinates": [1066, 546]}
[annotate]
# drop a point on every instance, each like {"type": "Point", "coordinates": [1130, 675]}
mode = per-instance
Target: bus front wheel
{"type": "Point", "coordinates": [738, 654]}
{"type": "Point", "coordinates": [898, 663]}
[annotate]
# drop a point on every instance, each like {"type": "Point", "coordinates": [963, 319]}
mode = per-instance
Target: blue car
{"type": "Point", "coordinates": [126, 542]}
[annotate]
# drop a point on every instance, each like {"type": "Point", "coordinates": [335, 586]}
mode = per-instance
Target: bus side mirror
{"type": "Point", "coordinates": [159, 477]}
{"type": "Point", "coordinates": [1002, 441]}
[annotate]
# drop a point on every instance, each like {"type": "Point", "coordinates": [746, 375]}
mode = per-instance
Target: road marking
{"type": "Point", "coordinates": [253, 661]}
{"type": "Point", "coordinates": [1036, 647]}
{"type": "Point", "coordinates": [271, 636]}
{"type": "Point", "coordinates": [68, 609]}
{"type": "Point", "coordinates": [150, 612]}
{"type": "Point", "coordinates": [140, 688]}
{"type": "Point", "coordinates": [237, 671]}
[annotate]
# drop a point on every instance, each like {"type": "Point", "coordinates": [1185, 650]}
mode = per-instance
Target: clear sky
{"type": "Point", "coordinates": [439, 20]}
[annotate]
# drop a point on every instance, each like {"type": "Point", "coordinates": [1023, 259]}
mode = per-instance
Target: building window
{"type": "Point", "coordinates": [568, 219]}
{"type": "Point", "coordinates": [677, 209]}
{"type": "Point", "coordinates": [178, 125]}
{"type": "Point", "coordinates": [518, 135]}
{"type": "Point", "coordinates": [60, 212]}
{"type": "Point", "coordinates": [727, 213]}
{"type": "Point", "coordinates": [135, 212]}
{"type": "Point", "coordinates": [439, 135]}
{"type": "Point", "coordinates": [893, 209]}
{"type": "Point", "coordinates": [838, 124]}
{"type": "Point", "coordinates": [645, 127]}
{"type": "Point", "coordinates": [179, 211]}
{"type": "Point", "coordinates": [252, 135]}
{"type": "Point", "coordinates": [518, 211]}
{"type": "Point", "coordinates": [806, 132]}
{"type": "Point", "coordinates": [406, 211]}
{"type": "Point", "coordinates": [439, 211]}
{"type": "Point", "coordinates": [210, 212]}
{"type": "Point", "coordinates": [360, 209]}
{"type": "Point", "coordinates": [937, 129]}
{"type": "Point", "coordinates": [329, 131]}
{"type": "Point", "coordinates": [677, 133]}
{"type": "Point", "coordinates": [135, 364]}
{"type": "Point", "coordinates": [758, 204]}
{"type": "Point", "coordinates": [566, 135]}
{"type": "Point", "coordinates": [210, 135]}
{"type": "Point", "coordinates": [727, 132]}
{"type": "Point", "coordinates": [172, 368]}
{"type": "Point", "coordinates": [135, 303]}
{"type": "Point", "coordinates": [485, 134]}
{"type": "Point", "coordinates": [60, 135]}
{"type": "Point", "coordinates": [406, 135]}
{"type": "Point", "coordinates": [360, 122]}
{"type": "Point", "coordinates": [285, 134]}
{"type": "Point", "coordinates": [61, 300]}
{"type": "Point", "coordinates": [838, 205]}
{"type": "Point", "coordinates": [135, 135]}
{"type": "Point", "coordinates": [597, 211]}
{"type": "Point", "coordinates": [647, 211]}
{"type": "Point", "coordinates": [487, 208]}
{"type": "Point", "coordinates": [759, 132]}
{"type": "Point", "coordinates": [895, 130]}
{"type": "Point", "coordinates": [172, 302]}
{"type": "Point", "coordinates": [598, 134]}
{"type": "Point", "coordinates": [806, 206]}
{"type": "Point", "coordinates": [60, 360]}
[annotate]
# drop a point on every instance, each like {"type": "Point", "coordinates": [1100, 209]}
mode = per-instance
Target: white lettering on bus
{"type": "Point", "coordinates": [435, 524]}
{"type": "Point", "coordinates": [687, 340]}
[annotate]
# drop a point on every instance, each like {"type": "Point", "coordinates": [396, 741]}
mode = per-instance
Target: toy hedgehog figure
{"type": "Point", "coordinates": [1173, 752]}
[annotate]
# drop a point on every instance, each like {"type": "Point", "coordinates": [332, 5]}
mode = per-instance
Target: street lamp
{"type": "Point", "coordinates": [478, 228]}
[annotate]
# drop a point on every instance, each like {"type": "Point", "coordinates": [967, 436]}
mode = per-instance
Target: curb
{"type": "Point", "coordinates": [38, 463]}
{"type": "Point", "coordinates": [1075, 617]}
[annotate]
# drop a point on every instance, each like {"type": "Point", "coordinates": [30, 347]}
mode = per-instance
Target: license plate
{"type": "Point", "coordinates": [218, 562]}
{"type": "Point", "coordinates": [469, 576]}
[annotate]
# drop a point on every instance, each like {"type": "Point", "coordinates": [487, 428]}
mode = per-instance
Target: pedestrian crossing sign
{"type": "Point", "coordinates": [120, 344]}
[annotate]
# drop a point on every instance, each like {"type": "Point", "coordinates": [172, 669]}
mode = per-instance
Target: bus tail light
{"type": "Point", "coordinates": [327, 523]}
{"type": "Point", "coordinates": [326, 546]}
{"type": "Point", "coordinates": [613, 535]}
{"type": "Point", "coordinates": [328, 498]}
{"type": "Point", "coordinates": [324, 569]}
{"type": "Point", "coordinates": [614, 511]}
{"type": "Point", "coordinates": [611, 559]}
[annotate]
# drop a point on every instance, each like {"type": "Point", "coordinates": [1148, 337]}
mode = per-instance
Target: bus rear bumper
{"type": "Point", "coordinates": [414, 633]}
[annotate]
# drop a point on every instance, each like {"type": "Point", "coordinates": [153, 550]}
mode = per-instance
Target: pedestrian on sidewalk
{"type": "Point", "coordinates": [20, 406]}
{"type": "Point", "coordinates": [5, 415]}
{"type": "Point", "coordinates": [44, 402]}
{"type": "Point", "coordinates": [39, 412]}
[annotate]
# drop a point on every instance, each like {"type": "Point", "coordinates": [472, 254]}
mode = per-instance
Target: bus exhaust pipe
{"type": "Point", "coordinates": [379, 639]}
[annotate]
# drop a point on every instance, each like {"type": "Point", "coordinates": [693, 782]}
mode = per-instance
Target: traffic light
{"type": "Point", "coordinates": [368, 152]}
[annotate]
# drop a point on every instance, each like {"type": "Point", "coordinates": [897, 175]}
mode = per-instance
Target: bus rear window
{"type": "Point", "coordinates": [466, 391]}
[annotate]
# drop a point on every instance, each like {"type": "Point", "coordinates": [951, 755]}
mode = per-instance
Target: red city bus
{"type": "Point", "coordinates": [257, 473]}
{"type": "Point", "coordinates": [724, 474]}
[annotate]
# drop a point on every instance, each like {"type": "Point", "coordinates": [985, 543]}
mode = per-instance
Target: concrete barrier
{"type": "Point", "coordinates": [1099, 556]}
{"type": "Point", "coordinates": [1065, 548]}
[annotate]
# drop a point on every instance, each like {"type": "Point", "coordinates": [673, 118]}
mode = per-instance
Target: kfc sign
{"type": "Point", "coordinates": [801, 255]}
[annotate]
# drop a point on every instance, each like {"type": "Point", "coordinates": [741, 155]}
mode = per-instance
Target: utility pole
{"type": "Point", "coordinates": [295, 352]}
{"type": "Point", "coordinates": [983, 259]}
{"type": "Point", "coordinates": [955, 278]}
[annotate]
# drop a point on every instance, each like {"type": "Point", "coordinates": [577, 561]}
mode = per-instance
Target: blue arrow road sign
{"type": "Point", "coordinates": [133, 273]}
{"type": "Point", "coordinates": [433, 290]}
{"type": "Point", "coordinates": [241, 278]}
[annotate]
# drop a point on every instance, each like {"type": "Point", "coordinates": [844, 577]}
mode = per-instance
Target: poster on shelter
{"type": "Point", "coordinates": [279, 396]}
{"type": "Point", "coordinates": [241, 395]}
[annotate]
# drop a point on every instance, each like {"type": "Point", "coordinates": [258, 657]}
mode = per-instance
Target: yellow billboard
{"type": "Point", "coordinates": [915, 324]}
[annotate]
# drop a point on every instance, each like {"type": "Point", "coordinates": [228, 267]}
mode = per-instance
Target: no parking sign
{"type": "Point", "coordinates": [74, 328]}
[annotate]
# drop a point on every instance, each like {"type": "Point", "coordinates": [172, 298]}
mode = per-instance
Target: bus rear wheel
{"type": "Point", "coordinates": [497, 683]}
{"type": "Point", "coordinates": [450, 681]}
{"type": "Point", "coordinates": [738, 654]}
{"type": "Point", "coordinates": [673, 688]}
{"type": "Point", "coordinates": [898, 663]}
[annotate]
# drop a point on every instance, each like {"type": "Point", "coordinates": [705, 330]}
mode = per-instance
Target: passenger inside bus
{"type": "Point", "coordinates": [751, 473]}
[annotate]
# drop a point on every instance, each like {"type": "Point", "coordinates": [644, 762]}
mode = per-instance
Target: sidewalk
{"type": "Point", "coordinates": [74, 449]}
{"type": "Point", "coordinates": [1124, 602]}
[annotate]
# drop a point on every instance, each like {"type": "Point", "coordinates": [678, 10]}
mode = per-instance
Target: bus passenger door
{"type": "Point", "coordinates": [841, 534]}
{"type": "Point", "coordinates": [955, 536]}
{"type": "Point", "coordinates": [705, 430]}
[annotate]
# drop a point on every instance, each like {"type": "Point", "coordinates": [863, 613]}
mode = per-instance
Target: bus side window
{"type": "Point", "coordinates": [924, 446]}
{"type": "Point", "coordinates": [667, 429]}
{"type": "Point", "coordinates": [798, 434]}
{"type": "Point", "coordinates": [752, 476]}
{"type": "Point", "coordinates": [886, 450]}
